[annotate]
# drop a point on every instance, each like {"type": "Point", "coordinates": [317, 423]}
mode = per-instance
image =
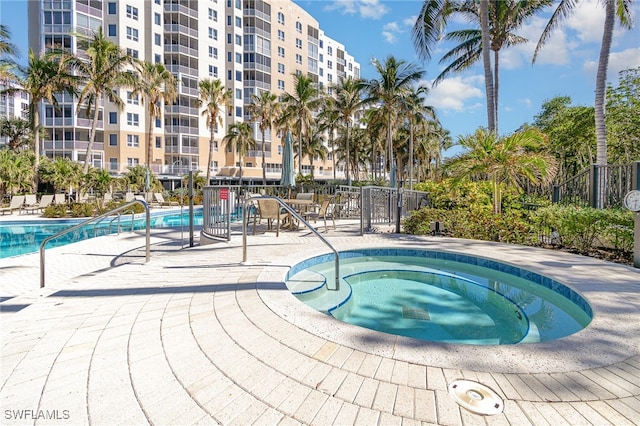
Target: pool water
{"type": "Point", "coordinates": [437, 296]}
{"type": "Point", "coordinates": [22, 237]}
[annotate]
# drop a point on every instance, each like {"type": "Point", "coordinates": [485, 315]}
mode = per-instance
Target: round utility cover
{"type": "Point", "coordinates": [476, 397]}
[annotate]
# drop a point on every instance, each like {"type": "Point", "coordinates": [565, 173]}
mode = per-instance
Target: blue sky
{"type": "Point", "coordinates": [375, 28]}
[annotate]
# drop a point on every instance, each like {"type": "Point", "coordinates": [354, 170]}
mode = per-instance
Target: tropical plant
{"type": "Point", "coordinates": [315, 146]}
{"type": "Point", "coordinates": [329, 120]}
{"type": "Point", "coordinates": [17, 131]}
{"type": "Point", "coordinates": [16, 171]}
{"type": "Point", "coordinates": [62, 173]}
{"type": "Point", "coordinates": [158, 87]}
{"type": "Point", "coordinates": [264, 110]}
{"type": "Point", "coordinates": [214, 97]}
{"type": "Point", "coordinates": [98, 180]}
{"type": "Point", "coordinates": [300, 106]}
{"type": "Point", "coordinates": [508, 159]}
{"type": "Point", "coordinates": [101, 70]}
{"type": "Point", "coordinates": [42, 79]}
{"type": "Point", "coordinates": [240, 139]}
{"type": "Point", "coordinates": [623, 118]}
{"type": "Point", "coordinates": [138, 176]}
{"type": "Point", "coordinates": [349, 93]}
{"type": "Point", "coordinates": [396, 78]}
{"type": "Point", "coordinates": [620, 9]}
{"type": "Point", "coordinates": [8, 51]}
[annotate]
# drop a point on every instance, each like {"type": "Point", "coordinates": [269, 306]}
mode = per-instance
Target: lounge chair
{"type": "Point", "coordinates": [129, 197]}
{"type": "Point", "coordinates": [159, 199]}
{"type": "Point", "coordinates": [45, 201]}
{"type": "Point", "coordinates": [269, 210]}
{"type": "Point", "coordinates": [15, 204]}
{"type": "Point", "coordinates": [59, 199]}
{"type": "Point", "coordinates": [325, 211]}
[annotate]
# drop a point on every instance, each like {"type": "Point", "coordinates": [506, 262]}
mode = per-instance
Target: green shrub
{"type": "Point", "coordinates": [82, 209]}
{"type": "Point", "coordinates": [55, 210]}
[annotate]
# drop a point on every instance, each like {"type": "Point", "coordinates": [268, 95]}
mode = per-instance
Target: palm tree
{"type": "Point", "coordinates": [17, 131]}
{"type": "Point", "coordinates": [329, 120]}
{"type": "Point", "coordinates": [503, 160]}
{"type": "Point", "coordinates": [348, 99]}
{"type": "Point", "coordinates": [16, 171]}
{"type": "Point", "coordinates": [315, 145]}
{"type": "Point", "coordinates": [7, 53]}
{"type": "Point", "coordinates": [299, 106]}
{"type": "Point", "coordinates": [396, 78]}
{"type": "Point", "coordinates": [621, 9]}
{"type": "Point", "coordinates": [62, 173]}
{"type": "Point", "coordinates": [214, 97]}
{"type": "Point", "coordinates": [44, 77]}
{"type": "Point", "coordinates": [101, 71]}
{"type": "Point", "coordinates": [157, 87]}
{"type": "Point", "coordinates": [240, 139]}
{"type": "Point", "coordinates": [264, 110]}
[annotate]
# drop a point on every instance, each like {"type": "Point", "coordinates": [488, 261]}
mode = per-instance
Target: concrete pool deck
{"type": "Point", "coordinates": [196, 336]}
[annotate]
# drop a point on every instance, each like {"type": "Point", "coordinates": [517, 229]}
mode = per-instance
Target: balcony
{"type": "Point", "coordinates": [72, 145]}
{"type": "Point", "coordinates": [181, 29]}
{"type": "Point", "coordinates": [86, 122]}
{"type": "Point", "coordinates": [178, 48]}
{"type": "Point", "coordinates": [181, 109]}
{"type": "Point", "coordinates": [181, 69]}
{"type": "Point", "coordinates": [173, 7]}
{"type": "Point", "coordinates": [181, 129]}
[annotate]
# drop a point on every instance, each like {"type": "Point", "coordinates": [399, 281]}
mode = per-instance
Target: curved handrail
{"type": "Point", "coordinates": [297, 216]}
{"type": "Point", "coordinates": [94, 219]}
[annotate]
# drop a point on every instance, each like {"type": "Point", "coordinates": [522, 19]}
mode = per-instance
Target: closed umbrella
{"type": "Point", "coordinates": [288, 174]}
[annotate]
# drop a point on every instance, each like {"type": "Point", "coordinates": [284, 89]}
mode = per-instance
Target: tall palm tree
{"type": "Point", "coordinates": [18, 132]}
{"type": "Point", "coordinates": [214, 97]}
{"type": "Point", "coordinates": [264, 110]}
{"type": "Point", "coordinates": [300, 106]}
{"type": "Point", "coordinates": [621, 9]}
{"type": "Point", "coordinates": [396, 78]}
{"type": "Point", "coordinates": [483, 11]}
{"type": "Point", "coordinates": [240, 139]}
{"type": "Point", "coordinates": [415, 112]}
{"type": "Point", "coordinates": [158, 87]}
{"type": "Point", "coordinates": [329, 120]}
{"type": "Point", "coordinates": [315, 145]}
{"type": "Point", "coordinates": [43, 78]}
{"type": "Point", "coordinates": [62, 173]}
{"type": "Point", "coordinates": [511, 159]}
{"type": "Point", "coordinates": [349, 97]}
{"type": "Point", "coordinates": [102, 69]}
{"type": "Point", "coordinates": [8, 52]}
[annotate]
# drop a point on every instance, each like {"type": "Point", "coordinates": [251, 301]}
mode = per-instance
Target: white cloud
{"type": "Point", "coordinates": [390, 32]}
{"type": "Point", "coordinates": [587, 20]}
{"type": "Point", "coordinates": [618, 61]}
{"type": "Point", "coordinates": [371, 9]}
{"type": "Point", "coordinates": [453, 94]}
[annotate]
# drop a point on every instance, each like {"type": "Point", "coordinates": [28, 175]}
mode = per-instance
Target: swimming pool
{"type": "Point", "coordinates": [441, 296]}
{"type": "Point", "coordinates": [21, 237]}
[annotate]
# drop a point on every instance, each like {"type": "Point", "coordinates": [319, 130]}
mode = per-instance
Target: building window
{"type": "Point", "coordinates": [238, 22]}
{"type": "Point", "coordinates": [299, 43]}
{"type": "Point", "coordinates": [133, 119]}
{"type": "Point", "coordinates": [157, 19]}
{"type": "Point", "coordinates": [213, 71]}
{"type": "Point", "coordinates": [113, 139]}
{"type": "Point", "coordinates": [133, 141]}
{"type": "Point", "coordinates": [111, 8]}
{"type": "Point", "coordinates": [158, 122]}
{"type": "Point", "coordinates": [329, 78]}
{"type": "Point", "coordinates": [299, 26]}
{"type": "Point", "coordinates": [280, 35]}
{"type": "Point", "coordinates": [238, 75]}
{"type": "Point", "coordinates": [228, 38]}
{"type": "Point", "coordinates": [238, 58]}
{"type": "Point", "coordinates": [213, 33]}
{"type": "Point", "coordinates": [132, 100]}
{"type": "Point", "coordinates": [132, 34]}
{"type": "Point", "coordinates": [112, 30]}
{"type": "Point", "coordinates": [157, 40]}
{"type": "Point", "coordinates": [329, 50]}
{"type": "Point", "coordinates": [238, 93]}
{"type": "Point", "coordinates": [330, 65]}
{"type": "Point", "coordinates": [133, 53]}
{"type": "Point", "coordinates": [238, 4]}
{"type": "Point", "coordinates": [213, 52]}
{"type": "Point", "coordinates": [213, 15]}
{"type": "Point", "coordinates": [132, 12]}
{"type": "Point", "coordinates": [298, 59]}
{"type": "Point", "coordinates": [158, 142]}
{"type": "Point", "coordinates": [158, 59]}
{"type": "Point", "coordinates": [280, 18]}
{"type": "Point", "coordinates": [238, 40]}
{"type": "Point", "coordinates": [113, 118]}
{"type": "Point", "coordinates": [157, 1]}
{"type": "Point", "coordinates": [281, 68]}
{"type": "Point", "coordinates": [228, 56]}
{"type": "Point", "coordinates": [238, 111]}
{"type": "Point", "coordinates": [281, 84]}
{"type": "Point", "coordinates": [281, 51]}
{"type": "Point", "coordinates": [132, 162]}
{"type": "Point", "coordinates": [113, 163]}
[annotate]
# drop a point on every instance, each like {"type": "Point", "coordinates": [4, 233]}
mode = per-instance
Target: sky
{"type": "Point", "coordinates": [566, 66]}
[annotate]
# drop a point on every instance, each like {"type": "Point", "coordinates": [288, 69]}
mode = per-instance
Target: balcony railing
{"type": "Point", "coordinates": [178, 48]}
{"type": "Point", "coordinates": [173, 7]}
{"type": "Point", "coordinates": [182, 29]}
{"type": "Point", "coordinates": [181, 69]}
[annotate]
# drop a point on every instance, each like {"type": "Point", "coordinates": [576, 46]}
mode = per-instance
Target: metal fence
{"type": "Point", "coordinates": [599, 186]}
{"type": "Point", "coordinates": [382, 205]}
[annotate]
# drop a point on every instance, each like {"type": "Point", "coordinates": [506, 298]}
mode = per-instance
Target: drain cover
{"type": "Point", "coordinates": [415, 313]}
{"type": "Point", "coordinates": [476, 397]}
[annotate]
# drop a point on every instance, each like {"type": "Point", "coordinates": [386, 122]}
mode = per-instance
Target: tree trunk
{"type": "Point", "coordinates": [601, 81]}
{"type": "Point", "coordinates": [92, 138]}
{"type": "Point", "coordinates": [348, 177]}
{"type": "Point", "coordinates": [333, 153]}
{"type": "Point", "coordinates": [211, 141]}
{"type": "Point", "coordinates": [264, 169]}
{"type": "Point", "coordinates": [410, 156]}
{"type": "Point", "coordinates": [486, 59]}
{"type": "Point", "coordinates": [36, 144]}
{"type": "Point", "coordinates": [496, 78]}
{"type": "Point", "coordinates": [149, 138]}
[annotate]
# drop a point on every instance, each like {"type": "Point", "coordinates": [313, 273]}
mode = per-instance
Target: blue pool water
{"type": "Point", "coordinates": [441, 296]}
{"type": "Point", "coordinates": [21, 237]}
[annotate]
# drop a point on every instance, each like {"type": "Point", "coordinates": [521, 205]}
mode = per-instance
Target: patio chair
{"type": "Point", "coordinates": [129, 196]}
{"type": "Point", "coordinates": [159, 199]}
{"type": "Point", "coordinates": [15, 204]}
{"type": "Point", "coordinates": [325, 211]}
{"type": "Point", "coordinates": [269, 210]}
{"type": "Point", "coordinates": [59, 199]}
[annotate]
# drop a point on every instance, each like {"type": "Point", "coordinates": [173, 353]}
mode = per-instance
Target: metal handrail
{"type": "Point", "coordinates": [93, 219]}
{"type": "Point", "coordinates": [297, 216]}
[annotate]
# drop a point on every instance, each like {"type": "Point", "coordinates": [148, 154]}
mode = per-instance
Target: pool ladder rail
{"type": "Point", "coordinates": [97, 219]}
{"type": "Point", "coordinates": [295, 214]}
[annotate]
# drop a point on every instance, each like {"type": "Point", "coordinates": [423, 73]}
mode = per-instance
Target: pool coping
{"type": "Point", "coordinates": [610, 338]}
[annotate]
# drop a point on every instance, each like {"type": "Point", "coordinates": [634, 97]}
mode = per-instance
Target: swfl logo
{"type": "Point", "coordinates": [36, 414]}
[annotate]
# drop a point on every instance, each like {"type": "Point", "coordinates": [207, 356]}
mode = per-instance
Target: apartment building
{"type": "Point", "coordinates": [250, 45]}
{"type": "Point", "coordinates": [13, 105]}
